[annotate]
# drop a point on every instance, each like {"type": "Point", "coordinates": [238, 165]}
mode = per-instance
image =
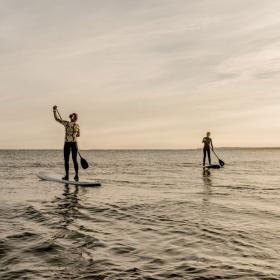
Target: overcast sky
{"type": "Point", "coordinates": [140, 74]}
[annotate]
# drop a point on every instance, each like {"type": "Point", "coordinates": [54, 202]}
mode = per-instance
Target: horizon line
{"type": "Point", "coordinates": [139, 149]}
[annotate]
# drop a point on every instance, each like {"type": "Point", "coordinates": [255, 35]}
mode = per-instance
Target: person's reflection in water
{"type": "Point", "coordinates": [69, 205]}
{"type": "Point", "coordinates": [67, 208]}
{"type": "Point", "coordinates": [206, 176]}
{"type": "Point", "coordinates": [207, 189]}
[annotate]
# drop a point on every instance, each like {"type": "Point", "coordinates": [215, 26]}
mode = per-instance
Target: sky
{"type": "Point", "coordinates": [149, 74]}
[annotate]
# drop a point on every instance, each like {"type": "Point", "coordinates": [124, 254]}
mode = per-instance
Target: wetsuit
{"type": "Point", "coordinates": [72, 131]}
{"type": "Point", "coordinates": [206, 149]}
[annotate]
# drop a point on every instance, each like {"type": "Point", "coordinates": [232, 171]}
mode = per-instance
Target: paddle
{"type": "Point", "coordinates": [222, 163]}
{"type": "Point", "coordinates": [84, 163]}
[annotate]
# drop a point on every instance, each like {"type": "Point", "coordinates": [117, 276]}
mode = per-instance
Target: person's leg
{"type": "Point", "coordinates": [209, 155]}
{"type": "Point", "coordinates": [74, 157]}
{"type": "Point", "coordinates": [66, 160]}
{"type": "Point", "coordinates": [204, 156]}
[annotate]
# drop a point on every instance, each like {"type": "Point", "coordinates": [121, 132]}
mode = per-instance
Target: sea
{"type": "Point", "coordinates": [156, 216]}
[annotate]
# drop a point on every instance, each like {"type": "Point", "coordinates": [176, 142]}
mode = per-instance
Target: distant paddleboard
{"type": "Point", "coordinates": [57, 178]}
{"type": "Point", "coordinates": [213, 166]}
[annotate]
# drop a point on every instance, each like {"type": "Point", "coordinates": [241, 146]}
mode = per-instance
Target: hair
{"type": "Point", "coordinates": [73, 116]}
{"type": "Point", "coordinates": [208, 132]}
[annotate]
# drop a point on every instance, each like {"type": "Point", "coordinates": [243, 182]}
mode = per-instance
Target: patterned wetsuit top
{"type": "Point", "coordinates": [72, 130]}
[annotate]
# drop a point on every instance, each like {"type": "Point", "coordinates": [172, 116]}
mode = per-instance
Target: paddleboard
{"type": "Point", "coordinates": [57, 178]}
{"type": "Point", "coordinates": [214, 166]}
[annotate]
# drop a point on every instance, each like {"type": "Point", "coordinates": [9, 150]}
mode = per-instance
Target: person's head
{"type": "Point", "coordinates": [208, 134]}
{"type": "Point", "coordinates": [73, 117]}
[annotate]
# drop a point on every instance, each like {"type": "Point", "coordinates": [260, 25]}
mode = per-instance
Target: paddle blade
{"type": "Point", "coordinates": [221, 162]}
{"type": "Point", "coordinates": [84, 163]}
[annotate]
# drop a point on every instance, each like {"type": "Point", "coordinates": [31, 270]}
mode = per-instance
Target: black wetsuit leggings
{"type": "Point", "coordinates": [73, 147]}
{"type": "Point", "coordinates": [206, 150]}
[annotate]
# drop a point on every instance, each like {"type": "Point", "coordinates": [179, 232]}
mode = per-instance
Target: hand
{"type": "Point", "coordinates": [54, 107]}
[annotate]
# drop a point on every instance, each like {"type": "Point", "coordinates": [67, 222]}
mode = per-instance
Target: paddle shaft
{"type": "Point", "coordinates": [58, 114]}
{"type": "Point", "coordinates": [220, 161]}
{"type": "Point", "coordinates": [215, 154]}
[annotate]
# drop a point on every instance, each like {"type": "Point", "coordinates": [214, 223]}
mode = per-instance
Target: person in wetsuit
{"type": "Point", "coordinates": [72, 131]}
{"type": "Point", "coordinates": [206, 149]}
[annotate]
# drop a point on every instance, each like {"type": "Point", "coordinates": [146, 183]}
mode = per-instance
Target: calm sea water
{"type": "Point", "coordinates": [156, 216]}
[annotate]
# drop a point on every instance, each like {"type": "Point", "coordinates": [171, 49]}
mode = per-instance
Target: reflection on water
{"type": "Point", "coordinates": [66, 207]}
{"type": "Point", "coordinates": [207, 189]}
{"type": "Point", "coordinates": [207, 181]}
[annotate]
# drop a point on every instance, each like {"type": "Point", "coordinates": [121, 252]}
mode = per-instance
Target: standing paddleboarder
{"type": "Point", "coordinates": [72, 131]}
{"type": "Point", "coordinates": [206, 149]}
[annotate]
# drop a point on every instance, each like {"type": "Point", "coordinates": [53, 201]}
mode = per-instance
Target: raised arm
{"type": "Point", "coordinates": [56, 116]}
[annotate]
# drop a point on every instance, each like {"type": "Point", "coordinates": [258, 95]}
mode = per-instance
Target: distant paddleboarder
{"type": "Point", "coordinates": [72, 131]}
{"type": "Point", "coordinates": [208, 144]}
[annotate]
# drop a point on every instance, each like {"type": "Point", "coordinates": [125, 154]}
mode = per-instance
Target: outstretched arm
{"type": "Point", "coordinates": [56, 117]}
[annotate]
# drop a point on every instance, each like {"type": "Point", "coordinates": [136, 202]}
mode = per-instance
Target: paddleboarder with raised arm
{"type": "Point", "coordinates": [208, 144]}
{"type": "Point", "coordinates": [72, 131]}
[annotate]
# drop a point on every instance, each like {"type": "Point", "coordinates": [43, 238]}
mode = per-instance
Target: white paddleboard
{"type": "Point", "coordinates": [57, 178]}
{"type": "Point", "coordinates": [213, 166]}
